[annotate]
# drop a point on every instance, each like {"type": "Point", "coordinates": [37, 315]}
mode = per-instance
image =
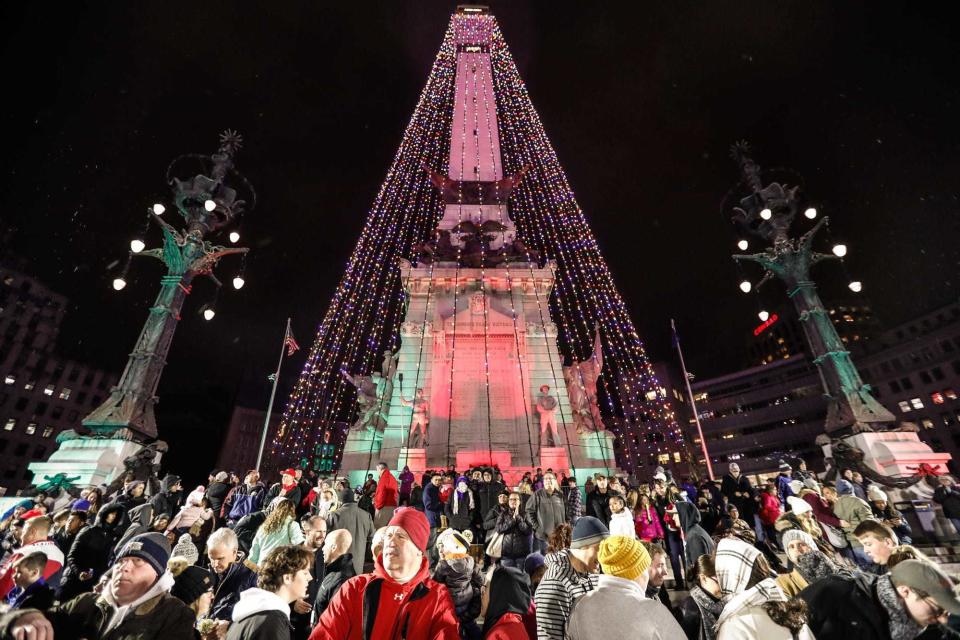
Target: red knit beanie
{"type": "Point", "coordinates": [414, 523]}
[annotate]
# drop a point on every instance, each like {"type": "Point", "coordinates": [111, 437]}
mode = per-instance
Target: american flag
{"type": "Point", "coordinates": [291, 342]}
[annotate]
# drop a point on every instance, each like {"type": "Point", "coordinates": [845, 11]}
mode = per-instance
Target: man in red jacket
{"type": "Point", "coordinates": [387, 496]}
{"type": "Point", "coordinates": [398, 600]}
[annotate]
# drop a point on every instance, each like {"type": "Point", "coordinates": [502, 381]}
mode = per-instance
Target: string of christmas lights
{"type": "Point", "coordinates": [368, 306]}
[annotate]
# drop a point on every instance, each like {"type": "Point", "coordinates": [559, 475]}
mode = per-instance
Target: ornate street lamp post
{"type": "Point", "coordinates": [768, 212]}
{"type": "Point", "coordinates": [207, 201]}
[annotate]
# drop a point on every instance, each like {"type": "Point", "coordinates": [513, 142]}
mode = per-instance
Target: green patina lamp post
{"type": "Point", "coordinates": [207, 201]}
{"type": "Point", "coordinates": [768, 213]}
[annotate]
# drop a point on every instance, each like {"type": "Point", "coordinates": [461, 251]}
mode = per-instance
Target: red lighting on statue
{"type": "Point", "coordinates": [766, 325]}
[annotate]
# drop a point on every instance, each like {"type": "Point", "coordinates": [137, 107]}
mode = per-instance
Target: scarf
{"type": "Point", "coordinates": [458, 497]}
{"type": "Point", "coordinates": [734, 563]}
{"type": "Point", "coordinates": [710, 609]}
{"type": "Point", "coordinates": [902, 626]}
{"type": "Point", "coordinates": [815, 565]}
{"type": "Point", "coordinates": [163, 584]}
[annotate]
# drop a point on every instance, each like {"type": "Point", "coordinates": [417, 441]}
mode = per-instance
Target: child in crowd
{"type": "Point", "coordinates": [458, 571]}
{"type": "Point", "coordinates": [621, 520]}
{"type": "Point", "coordinates": [31, 590]}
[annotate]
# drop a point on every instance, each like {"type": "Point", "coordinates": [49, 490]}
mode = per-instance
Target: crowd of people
{"type": "Point", "coordinates": [445, 555]}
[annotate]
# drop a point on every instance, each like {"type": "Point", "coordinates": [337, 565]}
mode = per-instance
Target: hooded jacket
{"type": "Point", "coordinates": [228, 587]}
{"type": "Point", "coordinates": [854, 511]}
{"type": "Point", "coordinates": [510, 600]}
{"type": "Point", "coordinates": [260, 615]}
{"type": "Point", "coordinates": [156, 615]}
{"type": "Point", "coordinates": [90, 552]}
{"type": "Point", "coordinates": [246, 529]}
{"type": "Point", "coordinates": [425, 610]}
{"type": "Point", "coordinates": [141, 518]}
{"type": "Point", "coordinates": [697, 541]}
{"type": "Point", "coordinates": [462, 577]}
{"type": "Point", "coordinates": [358, 522]}
{"type": "Point", "coordinates": [617, 608]}
{"type": "Point", "coordinates": [167, 501]}
{"type": "Point", "coordinates": [846, 607]}
{"type": "Point", "coordinates": [560, 587]}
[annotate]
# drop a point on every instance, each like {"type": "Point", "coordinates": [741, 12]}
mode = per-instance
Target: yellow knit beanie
{"type": "Point", "coordinates": [623, 557]}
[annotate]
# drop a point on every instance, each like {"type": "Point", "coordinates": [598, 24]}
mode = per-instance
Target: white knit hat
{"type": "Point", "coordinates": [798, 505]}
{"type": "Point", "coordinates": [876, 494]}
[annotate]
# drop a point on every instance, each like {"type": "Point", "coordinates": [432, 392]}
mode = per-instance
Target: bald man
{"type": "Point", "coordinates": [34, 539]}
{"type": "Point", "coordinates": [339, 567]}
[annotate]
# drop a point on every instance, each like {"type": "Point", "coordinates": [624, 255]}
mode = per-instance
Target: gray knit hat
{"type": "Point", "coordinates": [588, 531]}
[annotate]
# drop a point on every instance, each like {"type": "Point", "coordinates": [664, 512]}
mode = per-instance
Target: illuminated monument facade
{"type": "Point", "coordinates": [477, 323]}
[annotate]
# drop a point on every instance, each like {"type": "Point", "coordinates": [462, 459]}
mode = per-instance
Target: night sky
{"type": "Point", "coordinates": [641, 103]}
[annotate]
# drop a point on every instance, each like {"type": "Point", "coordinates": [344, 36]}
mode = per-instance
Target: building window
{"type": "Point", "coordinates": [65, 393]}
{"type": "Point", "coordinates": [31, 428]}
{"type": "Point", "coordinates": [925, 377]}
{"type": "Point", "coordinates": [30, 385]}
{"type": "Point", "coordinates": [49, 389]}
{"type": "Point", "coordinates": [936, 397]}
{"type": "Point", "coordinates": [915, 403]}
{"type": "Point", "coordinates": [906, 383]}
{"type": "Point", "coordinates": [937, 373]}
{"type": "Point", "coordinates": [676, 456]}
{"type": "Point", "coordinates": [894, 386]}
{"type": "Point", "coordinates": [21, 404]}
{"type": "Point", "coordinates": [949, 394]}
{"type": "Point", "coordinates": [663, 458]}
{"type": "Point", "coordinates": [47, 432]}
{"type": "Point", "coordinates": [904, 406]}
{"type": "Point", "coordinates": [40, 409]}
{"type": "Point", "coordinates": [12, 380]}
{"type": "Point", "coordinates": [56, 413]}
{"type": "Point", "coordinates": [10, 425]}
{"type": "Point", "coordinates": [927, 423]}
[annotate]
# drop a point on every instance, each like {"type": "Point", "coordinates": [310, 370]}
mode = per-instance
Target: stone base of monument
{"type": "Point", "coordinates": [900, 455]}
{"type": "Point", "coordinates": [555, 458]}
{"type": "Point", "coordinates": [360, 455]}
{"type": "Point", "coordinates": [416, 459]}
{"type": "Point", "coordinates": [95, 460]}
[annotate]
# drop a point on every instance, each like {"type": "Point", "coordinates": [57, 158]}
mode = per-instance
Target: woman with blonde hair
{"type": "Point", "coordinates": [279, 529]}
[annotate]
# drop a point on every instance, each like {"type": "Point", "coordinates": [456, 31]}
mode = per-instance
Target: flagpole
{"type": "Point", "coordinates": [693, 405]}
{"type": "Point", "coordinates": [273, 393]}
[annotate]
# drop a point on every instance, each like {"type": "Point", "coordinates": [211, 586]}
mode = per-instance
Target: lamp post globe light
{"type": "Point", "coordinates": [767, 211]}
{"type": "Point", "coordinates": [854, 416]}
{"type": "Point", "coordinates": [207, 202]}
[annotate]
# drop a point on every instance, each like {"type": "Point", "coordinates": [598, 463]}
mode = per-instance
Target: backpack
{"type": "Point", "coordinates": [244, 504]}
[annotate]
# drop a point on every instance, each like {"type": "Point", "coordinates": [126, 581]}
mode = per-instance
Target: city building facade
{"type": "Point", "coordinates": [771, 412]}
{"type": "Point", "coordinates": [41, 394]}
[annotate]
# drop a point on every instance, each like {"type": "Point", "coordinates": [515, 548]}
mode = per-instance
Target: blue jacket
{"type": "Point", "coordinates": [227, 589]}
{"type": "Point", "coordinates": [783, 489]}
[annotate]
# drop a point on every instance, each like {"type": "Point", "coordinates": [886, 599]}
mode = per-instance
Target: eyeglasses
{"type": "Point", "coordinates": [935, 609]}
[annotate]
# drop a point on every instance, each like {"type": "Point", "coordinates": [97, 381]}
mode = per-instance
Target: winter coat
{"type": "Point", "coordinates": [155, 616]}
{"type": "Point", "coordinates": [277, 491]}
{"type": "Point", "coordinates": [246, 529]}
{"type": "Point", "coordinates": [256, 494]}
{"type": "Point", "coordinates": [360, 525]}
{"type": "Point", "coordinates": [90, 552]}
{"type": "Point", "coordinates": [166, 502]}
{"type": "Point", "coordinates": [302, 623]}
{"type": "Point", "coordinates": [490, 520]}
{"type": "Point", "coordinates": [336, 573]}
{"type": "Point", "coordinates": [949, 499]}
{"type": "Point", "coordinates": [432, 505]}
{"type": "Point", "coordinates": [846, 607]}
{"type": "Point", "coordinates": [462, 519]}
{"type": "Point", "coordinates": [487, 493]}
{"type": "Point", "coordinates": [854, 511]}
{"type": "Point", "coordinates": [698, 613]}
{"type": "Point", "coordinates": [617, 608]}
{"type": "Point", "coordinates": [387, 493]}
{"type": "Point", "coordinates": [216, 494]}
{"type": "Point", "coordinates": [39, 596]}
{"type": "Point", "coordinates": [510, 626]}
{"type": "Point", "coordinates": [54, 564]}
{"type": "Point", "coordinates": [783, 489]}
{"type": "Point", "coordinates": [264, 542]}
{"type": "Point", "coordinates": [647, 524]}
{"type": "Point", "coordinates": [745, 504]}
{"type": "Point", "coordinates": [227, 588]}
{"type": "Point", "coordinates": [141, 520]}
{"type": "Point", "coordinates": [545, 511]}
{"type": "Point", "coordinates": [822, 511]}
{"type": "Point", "coordinates": [598, 505]}
{"type": "Point", "coordinates": [422, 609]}
{"type": "Point", "coordinates": [187, 516]}
{"type": "Point", "coordinates": [621, 524]}
{"type": "Point", "coordinates": [260, 615]}
{"type": "Point", "coordinates": [516, 530]}
{"type": "Point", "coordinates": [792, 583]}
{"type": "Point", "coordinates": [769, 508]}
{"type": "Point", "coordinates": [558, 590]}
{"type": "Point", "coordinates": [755, 622]}
{"type": "Point", "coordinates": [462, 577]}
{"type": "Point", "coordinates": [406, 483]}
{"type": "Point", "coordinates": [697, 541]}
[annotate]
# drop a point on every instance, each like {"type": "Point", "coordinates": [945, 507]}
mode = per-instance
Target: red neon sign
{"type": "Point", "coordinates": [766, 325]}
